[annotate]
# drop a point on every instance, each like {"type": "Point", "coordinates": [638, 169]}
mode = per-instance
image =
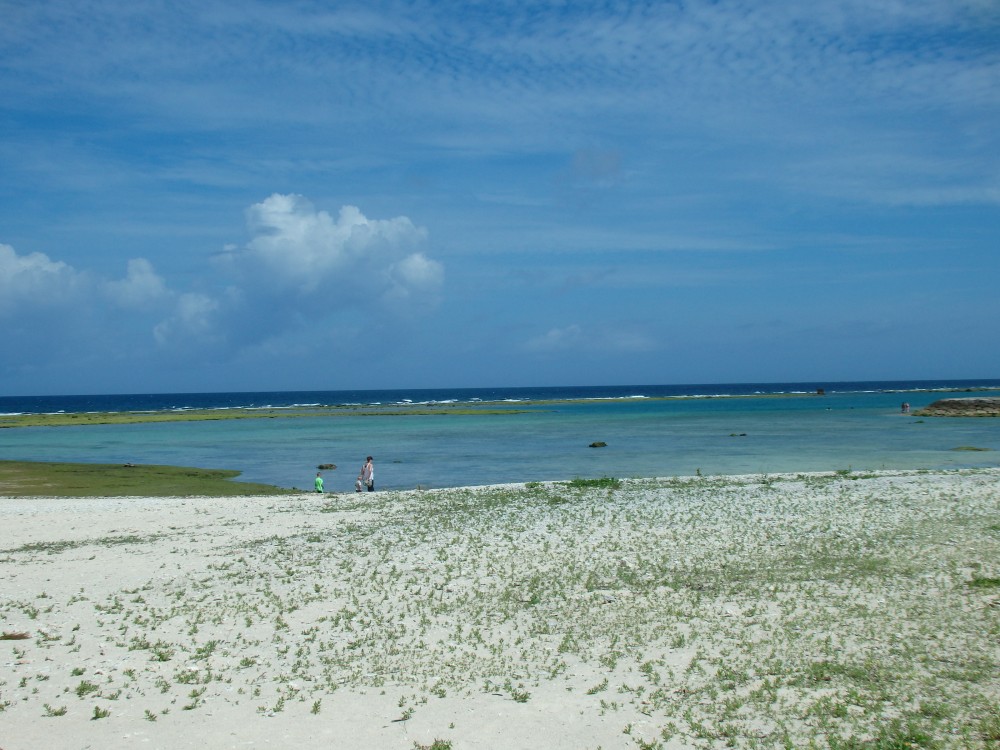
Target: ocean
{"type": "Point", "coordinates": [649, 430]}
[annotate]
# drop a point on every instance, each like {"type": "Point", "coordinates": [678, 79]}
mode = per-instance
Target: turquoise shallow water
{"type": "Point", "coordinates": [645, 437]}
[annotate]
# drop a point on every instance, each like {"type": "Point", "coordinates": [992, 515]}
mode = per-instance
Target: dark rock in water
{"type": "Point", "coordinates": [327, 467]}
{"type": "Point", "coordinates": [962, 407]}
{"type": "Point", "coordinates": [598, 445]}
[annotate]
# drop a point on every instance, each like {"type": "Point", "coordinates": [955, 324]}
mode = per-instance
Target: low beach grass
{"type": "Point", "coordinates": [49, 479]}
{"type": "Point", "coordinates": [836, 610]}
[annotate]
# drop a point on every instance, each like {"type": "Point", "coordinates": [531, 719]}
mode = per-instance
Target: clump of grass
{"type": "Point", "coordinates": [609, 483]}
{"type": "Point", "coordinates": [520, 695]}
{"type": "Point", "coordinates": [85, 688]}
{"type": "Point", "coordinates": [984, 582]}
{"type": "Point", "coordinates": [162, 652]}
{"type": "Point", "coordinates": [602, 685]}
{"type": "Point", "coordinates": [12, 636]}
{"type": "Point", "coordinates": [989, 727]}
{"type": "Point", "coordinates": [900, 734]}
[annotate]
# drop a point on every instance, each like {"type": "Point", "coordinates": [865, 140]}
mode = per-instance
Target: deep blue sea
{"type": "Point", "coordinates": [712, 429]}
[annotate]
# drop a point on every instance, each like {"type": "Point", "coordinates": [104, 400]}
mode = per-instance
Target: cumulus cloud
{"type": "Point", "coordinates": [194, 317]}
{"type": "Point", "coordinates": [297, 248]}
{"type": "Point", "coordinates": [141, 288]}
{"type": "Point", "coordinates": [415, 273]}
{"type": "Point", "coordinates": [54, 313]}
{"type": "Point", "coordinates": [35, 281]}
{"type": "Point", "coordinates": [303, 268]}
{"type": "Point", "coordinates": [304, 273]}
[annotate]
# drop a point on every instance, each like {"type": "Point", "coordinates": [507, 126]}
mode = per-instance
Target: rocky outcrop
{"type": "Point", "coordinates": [962, 407]}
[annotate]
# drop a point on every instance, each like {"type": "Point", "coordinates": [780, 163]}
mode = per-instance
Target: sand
{"type": "Point", "coordinates": [756, 611]}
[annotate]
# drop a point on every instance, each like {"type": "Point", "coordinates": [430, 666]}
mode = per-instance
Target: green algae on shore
{"type": "Point", "coordinates": [484, 408]}
{"type": "Point", "coordinates": [478, 408]}
{"type": "Point", "coordinates": [962, 407]}
{"type": "Point", "coordinates": [46, 479]}
{"type": "Point", "coordinates": [65, 419]}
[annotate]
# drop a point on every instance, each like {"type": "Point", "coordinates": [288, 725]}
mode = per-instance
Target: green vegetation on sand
{"type": "Point", "coordinates": [40, 479]}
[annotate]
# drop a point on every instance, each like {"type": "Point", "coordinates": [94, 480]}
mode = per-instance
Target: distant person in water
{"type": "Point", "coordinates": [905, 408]}
{"type": "Point", "coordinates": [319, 482]}
{"type": "Point", "coordinates": [368, 474]}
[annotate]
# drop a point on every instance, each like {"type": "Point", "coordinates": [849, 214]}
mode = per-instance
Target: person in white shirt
{"type": "Point", "coordinates": [368, 474]}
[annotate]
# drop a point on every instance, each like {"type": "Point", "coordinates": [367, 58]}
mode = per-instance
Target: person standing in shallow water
{"type": "Point", "coordinates": [368, 474]}
{"type": "Point", "coordinates": [319, 482]}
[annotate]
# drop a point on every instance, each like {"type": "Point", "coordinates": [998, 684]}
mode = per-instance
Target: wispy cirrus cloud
{"type": "Point", "coordinates": [783, 80]}
{"type": "Point", "coordinates": [480, 60]}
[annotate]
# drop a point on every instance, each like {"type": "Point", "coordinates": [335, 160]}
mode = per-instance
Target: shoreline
{"type": "Point", "coordinates": [747, 610]}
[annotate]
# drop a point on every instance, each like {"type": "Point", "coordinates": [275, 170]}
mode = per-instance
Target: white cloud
{"type": "Point", "coordinates": [52, 312]}
{"type": "Point", "coordinates": [35, 281]}
{"type": "Point", "coordinates": [299, 249]}
{"type": "Point", "coordinates": [772, 74]}
{"type": "Point", "coordinates": [193, 321]}
{"type": "Point", "coordinates": [141, 288]}
{"type": "Point", "coordinates": [302, 270]}
{"type": "Point", "coordinates": [415, 273]}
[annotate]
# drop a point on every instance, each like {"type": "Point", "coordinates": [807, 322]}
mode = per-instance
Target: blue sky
{"type": "Point", "coordinates": [202, 196]}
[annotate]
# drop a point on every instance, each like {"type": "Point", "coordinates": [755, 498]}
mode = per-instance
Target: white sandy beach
{"type": "Point", "coordinates": [756, 611]}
